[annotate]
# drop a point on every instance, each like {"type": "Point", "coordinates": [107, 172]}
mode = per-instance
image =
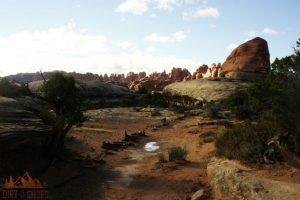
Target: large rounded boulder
{"type": "Point", "coordinates": [250, 57]}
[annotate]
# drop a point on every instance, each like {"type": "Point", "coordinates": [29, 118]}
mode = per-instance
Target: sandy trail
{"type": "Point", "coordinates": [135, 173]}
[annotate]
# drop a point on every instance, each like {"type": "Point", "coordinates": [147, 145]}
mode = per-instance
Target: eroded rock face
{"type": "Point", "coordinates": [149, 85]}
{"type": "Point", "coordinates": [178, 74]}
{"type": "Point", "coordinates": [233, 180]}
{"type": "Point", "coordinates": [252, 56]}
{"type": "Point", "coordinates": [19, 125]}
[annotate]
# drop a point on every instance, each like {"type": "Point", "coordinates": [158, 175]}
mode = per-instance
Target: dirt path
{"type": "Point", "coordinates": [134, 173]}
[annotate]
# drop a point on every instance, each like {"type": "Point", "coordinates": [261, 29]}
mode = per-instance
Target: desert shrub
{"type": "Point", "coordinates": [246, 141]}
{"type": "Point", "coordinates": [8, 89]}
{"type": "Point", "coordinates": [154, 99]}
{"type": "Point", "coordinates": [161, 158]}
{"type": "Point", "coordinates": [239, 105]}
{"type": "Point", "coordinates": [275, 98]}
{"type": "Point", "coordinates": [211, 110]}
{"type": "Point", "coordinates": [177, 153]}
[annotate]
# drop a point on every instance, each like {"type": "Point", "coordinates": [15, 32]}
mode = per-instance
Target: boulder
{"type": "Point", "coordinates": [19, 125]}
{"type": "Point", "coordinates": [205, 90]}
{"type": "Point", "coordinates": [252, 56]}
{"type": "Point", "coordinates": [235, 181]}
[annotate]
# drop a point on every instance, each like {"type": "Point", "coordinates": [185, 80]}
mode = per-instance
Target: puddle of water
{"type": "Point", "coordinates": [151, 146]}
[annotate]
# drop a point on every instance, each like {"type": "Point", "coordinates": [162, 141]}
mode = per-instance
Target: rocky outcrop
{"type": "Point", "coordinates": [252, 56]}
{"type": "Point", "coordinates": [99, 89]}
{"type": "Point", "coordinates": [149, 85]}
{"type": "Point", "coordinates": [178, 74]}
{"type": "Point", "coordinates": [19, 124]}
{"type": "Point", "coordinates": [203, 71]}
{"type": "Point", "coordinates": [233, 180]}
{"type": "Point", "coordinates": [93, 88]}
{"type": "Point", "coordinates": [205, 90]}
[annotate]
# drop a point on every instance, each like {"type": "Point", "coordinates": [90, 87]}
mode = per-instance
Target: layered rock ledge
{"type": "Point", "coordinates": [205, 90]}
{"type": "Point", "coordinates": [233, 180]}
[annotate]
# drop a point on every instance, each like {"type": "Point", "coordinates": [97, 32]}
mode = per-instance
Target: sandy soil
{"type": "Point", "coordinates": [134, 173]}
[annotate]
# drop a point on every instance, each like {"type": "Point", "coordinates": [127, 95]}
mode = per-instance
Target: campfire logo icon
{"type": "Point", "coordinates": [24, 187]}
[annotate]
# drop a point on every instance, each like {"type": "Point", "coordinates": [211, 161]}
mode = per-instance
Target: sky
{"type": "Point", "coordinates": [118, 36]}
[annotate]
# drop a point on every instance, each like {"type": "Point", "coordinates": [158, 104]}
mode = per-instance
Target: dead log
{"type": "Point", "coordinates": [133, 138]}
{"type": "Point", "coordinates": [115, 145]}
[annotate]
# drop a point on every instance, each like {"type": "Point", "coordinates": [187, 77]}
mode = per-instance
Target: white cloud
{"type": "Point", "coordinates": [139, 7]}
{"type": "Point", "coordinates": [202, 12]}
{"type": "Point", "coordinates": [231, 47]}
{"type": "Point", "coordinates": [124, 45]}
{"type": "Point", "coordinates": [171, 4]}
{"type": "Point", "coordinates": [168, 4]}
{"type": "Point", "coordinates": [68, 49]}
{"type": "Point", "coordinates": [252, 33]}
{"type": "Point", "coordinates": [270, 31]}
{"type": "Point", "coordinates": [136, 7]}
{"type": "Point", "coordinates": [176, 37]}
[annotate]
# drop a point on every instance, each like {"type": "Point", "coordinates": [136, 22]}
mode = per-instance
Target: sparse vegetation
{"type": "Point", "coordinates": [274, 103]}
{"type": "Point", "coordinates": [212, 110]}
{"type": "Point", "coordinates": [246, 141]}
{"type": "Point", "coordinates": [177, 153]}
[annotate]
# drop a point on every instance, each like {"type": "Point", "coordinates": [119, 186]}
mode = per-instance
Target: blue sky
{"type": "Point", "coordinates": [118, 36]}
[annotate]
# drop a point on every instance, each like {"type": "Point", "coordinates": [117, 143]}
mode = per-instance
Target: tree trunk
{"type": "Point", "coordinates": [56, 142]}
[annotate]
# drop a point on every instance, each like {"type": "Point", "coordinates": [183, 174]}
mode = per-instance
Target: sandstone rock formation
{"type": "Point", "coordinates": [203, 71]}
{"type": "Point", "coordinates": [205, 90]}
{"type": "Point", "coordinates": [97, 88]}
{"type": "Point", "coordinates": [94, 88]}
{"type": "Point", "coordinates": [178, 74]}
{"type": "Point", "coordinates": [19, 125]}
{"type": "Point", "coordinates": [253, 56]}
{"type": "Point", "coordinates": [233, 180]}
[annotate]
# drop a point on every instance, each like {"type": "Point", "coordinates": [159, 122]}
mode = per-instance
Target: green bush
{"type": "Point", "coordinates": [246, 141]}
{"type": "Point", "coordinates": [155, 99]}
{"type": "Point", "coordinates": [177, 153]}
